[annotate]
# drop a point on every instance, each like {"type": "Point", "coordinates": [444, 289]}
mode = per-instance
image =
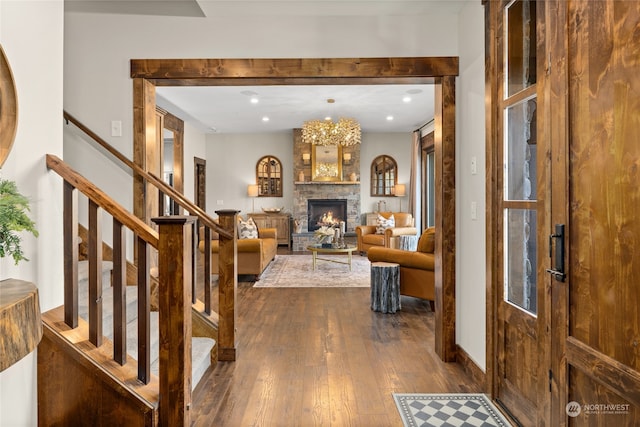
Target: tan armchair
{"type": "Point", "coordinates": [367, 237]}
{"type": "Point", "coordinates": [417, 269]}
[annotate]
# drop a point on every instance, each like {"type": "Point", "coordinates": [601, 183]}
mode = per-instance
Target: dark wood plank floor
{"type": "Point", "coordinates": [321, 357]}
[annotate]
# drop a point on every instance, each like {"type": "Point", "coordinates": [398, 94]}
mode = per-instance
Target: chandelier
{"type": "Point", "coordinates": [325, 132]}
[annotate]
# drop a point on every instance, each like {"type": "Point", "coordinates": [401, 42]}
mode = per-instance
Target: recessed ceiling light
{"type": "Point", "coordinates": [331, 101]}
{"type": "Point", "coordinates": [328, 118]}
{"type": "Point", "coordinates": [406, 99]}
{"type": "Point", "coordinates": [265, 119]}
{"type": "Point", "coordinates": [389, 118]}
{"type": "Point", "coordinates": [254, 100]}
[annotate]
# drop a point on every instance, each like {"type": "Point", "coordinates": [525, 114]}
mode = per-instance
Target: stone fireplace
{"type": "Point", "coordinates": [345, 192]}
{"type": "Point", "coordinates": [325, 212]}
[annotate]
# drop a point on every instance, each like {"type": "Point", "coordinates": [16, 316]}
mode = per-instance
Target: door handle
{"type": "Point", "coordinates": [557, 269]}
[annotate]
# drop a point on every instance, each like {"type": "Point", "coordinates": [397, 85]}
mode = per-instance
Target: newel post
{"type": "Point", "coordinates": [227, 286]}
{"type": "Point", "coordinates": [174, 300]}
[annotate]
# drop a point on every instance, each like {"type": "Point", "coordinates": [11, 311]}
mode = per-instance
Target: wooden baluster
{"type": "Point", "coordinates": [194, 260]}
{"type": "Point", "coordinates": [227, 286]}
{"type": "Point", "coordinates": [207, 270]}
{"type": "Point", "coordinates": [70, 247]}
{"type": "Point", "coordinates": [160, 202]}
{"type": "Point", "coordinates": [119, 293]}
{"type": "Point", "coordinates": [175, 248]}
{"type": "Point", "coordinates": [144, 309]}
{"type": "Point", "coordinates": [94, 252]}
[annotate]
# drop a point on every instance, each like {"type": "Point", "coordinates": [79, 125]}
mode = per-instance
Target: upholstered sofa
{"type": "Point", "coordinates": [417, 277]}
{"type": "Point", "coordinates": [369, 236]}
{"type": "Point", "coordinates": [254, 255]}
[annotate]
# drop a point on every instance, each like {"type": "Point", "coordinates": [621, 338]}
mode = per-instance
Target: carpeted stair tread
{"type": "Point", "coordinates": [83, 271]}
{"type": "Point", "coordinates": [200, 359]}
{"type": "Point", "coordinates": [107, 307]}
{"type": "Point", "coordinates": [132, 337]}
{"type": "Point", "coordinates": [201, 347]}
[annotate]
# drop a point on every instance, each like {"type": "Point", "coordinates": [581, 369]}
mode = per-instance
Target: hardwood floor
{"type": "Point", "coordinates": [321, 357]}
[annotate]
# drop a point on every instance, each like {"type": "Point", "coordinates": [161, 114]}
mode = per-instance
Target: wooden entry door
{"type": "Point", "coordinates": [594, 126]}
{"type": "Point", "coordinates": [576, 361]}
{"type": "Point", "coordinates": [519, 319]}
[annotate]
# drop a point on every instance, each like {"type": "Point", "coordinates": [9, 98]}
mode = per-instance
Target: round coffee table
{"type": "Point", "coordinates": [318, 249]}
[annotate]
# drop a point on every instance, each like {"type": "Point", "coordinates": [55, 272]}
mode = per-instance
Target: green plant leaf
{"type": "Point", "coordinates": [13, 220]}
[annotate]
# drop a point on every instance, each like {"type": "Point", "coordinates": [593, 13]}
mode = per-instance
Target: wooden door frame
{"type": "Point", "coordinates": [492, 164]}
{"type": "Point", "coordinates": [176, 126]}
{"type": "Point", "coordinates": [197, 164]}
{"type": "Point", "coordinates": [440, 71]}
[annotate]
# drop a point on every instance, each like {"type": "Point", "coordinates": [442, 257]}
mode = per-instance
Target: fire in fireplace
{"type": "Point", "coordinates": [325, 212]}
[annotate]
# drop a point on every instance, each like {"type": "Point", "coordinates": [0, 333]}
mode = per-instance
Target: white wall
{"type": "Point", "coordinates": [195, 145]}
{"type": "Point", "coordinates": [470, 142]}
{"type": "Point", "coordinates": [396, 145]}
{"type": "Point", "coordinates": [231, 167]}
{"type": "Point", "coordinates": [31, 34]}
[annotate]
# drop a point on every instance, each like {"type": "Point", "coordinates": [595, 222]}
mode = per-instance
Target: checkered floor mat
{"type": "Point", "coordinates": [448, 410]}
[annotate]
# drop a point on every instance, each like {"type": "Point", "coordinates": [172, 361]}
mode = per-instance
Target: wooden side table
{"type": "Point", "coordinates": [385, 287]}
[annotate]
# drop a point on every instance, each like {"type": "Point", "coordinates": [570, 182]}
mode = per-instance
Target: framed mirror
{"type": "Point", "coordinates": [384, 175]}
{"type": "Point", "coordinates": [8, 108]}
{"type": "Point", "coordinates": [326, 163]}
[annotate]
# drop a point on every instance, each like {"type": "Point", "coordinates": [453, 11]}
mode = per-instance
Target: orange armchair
{"type": "Point", "coordinates": [417, 269]}
{"type": "Point", "coordinates": [368, 236]}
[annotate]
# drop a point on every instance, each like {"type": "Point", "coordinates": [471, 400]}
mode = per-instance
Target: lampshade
{"type": "Point", "coordinates": [400, 190]}
{"type": "Point", "coordinates": [252, 190]}
{"type": "Point", "coordinates": [324, 132]}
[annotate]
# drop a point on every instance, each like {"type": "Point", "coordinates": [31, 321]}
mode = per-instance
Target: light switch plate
{"type": "Point", "coordinates": [116, 128]}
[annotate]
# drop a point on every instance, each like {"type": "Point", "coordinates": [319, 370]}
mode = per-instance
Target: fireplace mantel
{"type": "Point", "coordinates": [327, 182]}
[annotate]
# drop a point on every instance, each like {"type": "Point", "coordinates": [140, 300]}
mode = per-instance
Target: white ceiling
{"type": "Point", "coordinates": [217, 8]}
{"type": "Point", "coordinates": [228, 109]}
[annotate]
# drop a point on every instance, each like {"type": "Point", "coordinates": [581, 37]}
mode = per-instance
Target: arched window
{"type": "Point", "coordinates": [384, 175]}
{"type": "Point", "coordinates": [269, 177]}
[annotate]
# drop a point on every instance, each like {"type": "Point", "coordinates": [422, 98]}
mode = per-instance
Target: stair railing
{"type": "Point", "coordinates": [174, 243]}
{"type": "Point", "coordinates": [227, 282]}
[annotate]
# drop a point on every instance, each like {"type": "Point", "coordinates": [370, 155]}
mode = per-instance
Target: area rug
{"type": "Point", "coordinates": [442, 409]}
{"type": "Point", "coordinates": [296, 271]}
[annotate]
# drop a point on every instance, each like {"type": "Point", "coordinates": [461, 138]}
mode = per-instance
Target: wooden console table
{"type": "Point", "coordinates": [280, 221]}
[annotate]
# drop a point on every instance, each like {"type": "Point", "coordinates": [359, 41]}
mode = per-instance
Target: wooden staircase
{"type": "Point", "coordinates": [201, 346]}
{"type": "Point", "coordinates": [105, 357]}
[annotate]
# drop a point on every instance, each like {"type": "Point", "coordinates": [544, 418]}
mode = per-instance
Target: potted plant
{"type": "Point", "coordinates": [13, 220]}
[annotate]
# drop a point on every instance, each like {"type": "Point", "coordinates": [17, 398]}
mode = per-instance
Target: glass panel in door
{"type": "Point", "coordinates": [520, 281]}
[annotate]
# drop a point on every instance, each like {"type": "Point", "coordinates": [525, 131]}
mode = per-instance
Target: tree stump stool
{"type": "Point", "coordinates": [385, 287]}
